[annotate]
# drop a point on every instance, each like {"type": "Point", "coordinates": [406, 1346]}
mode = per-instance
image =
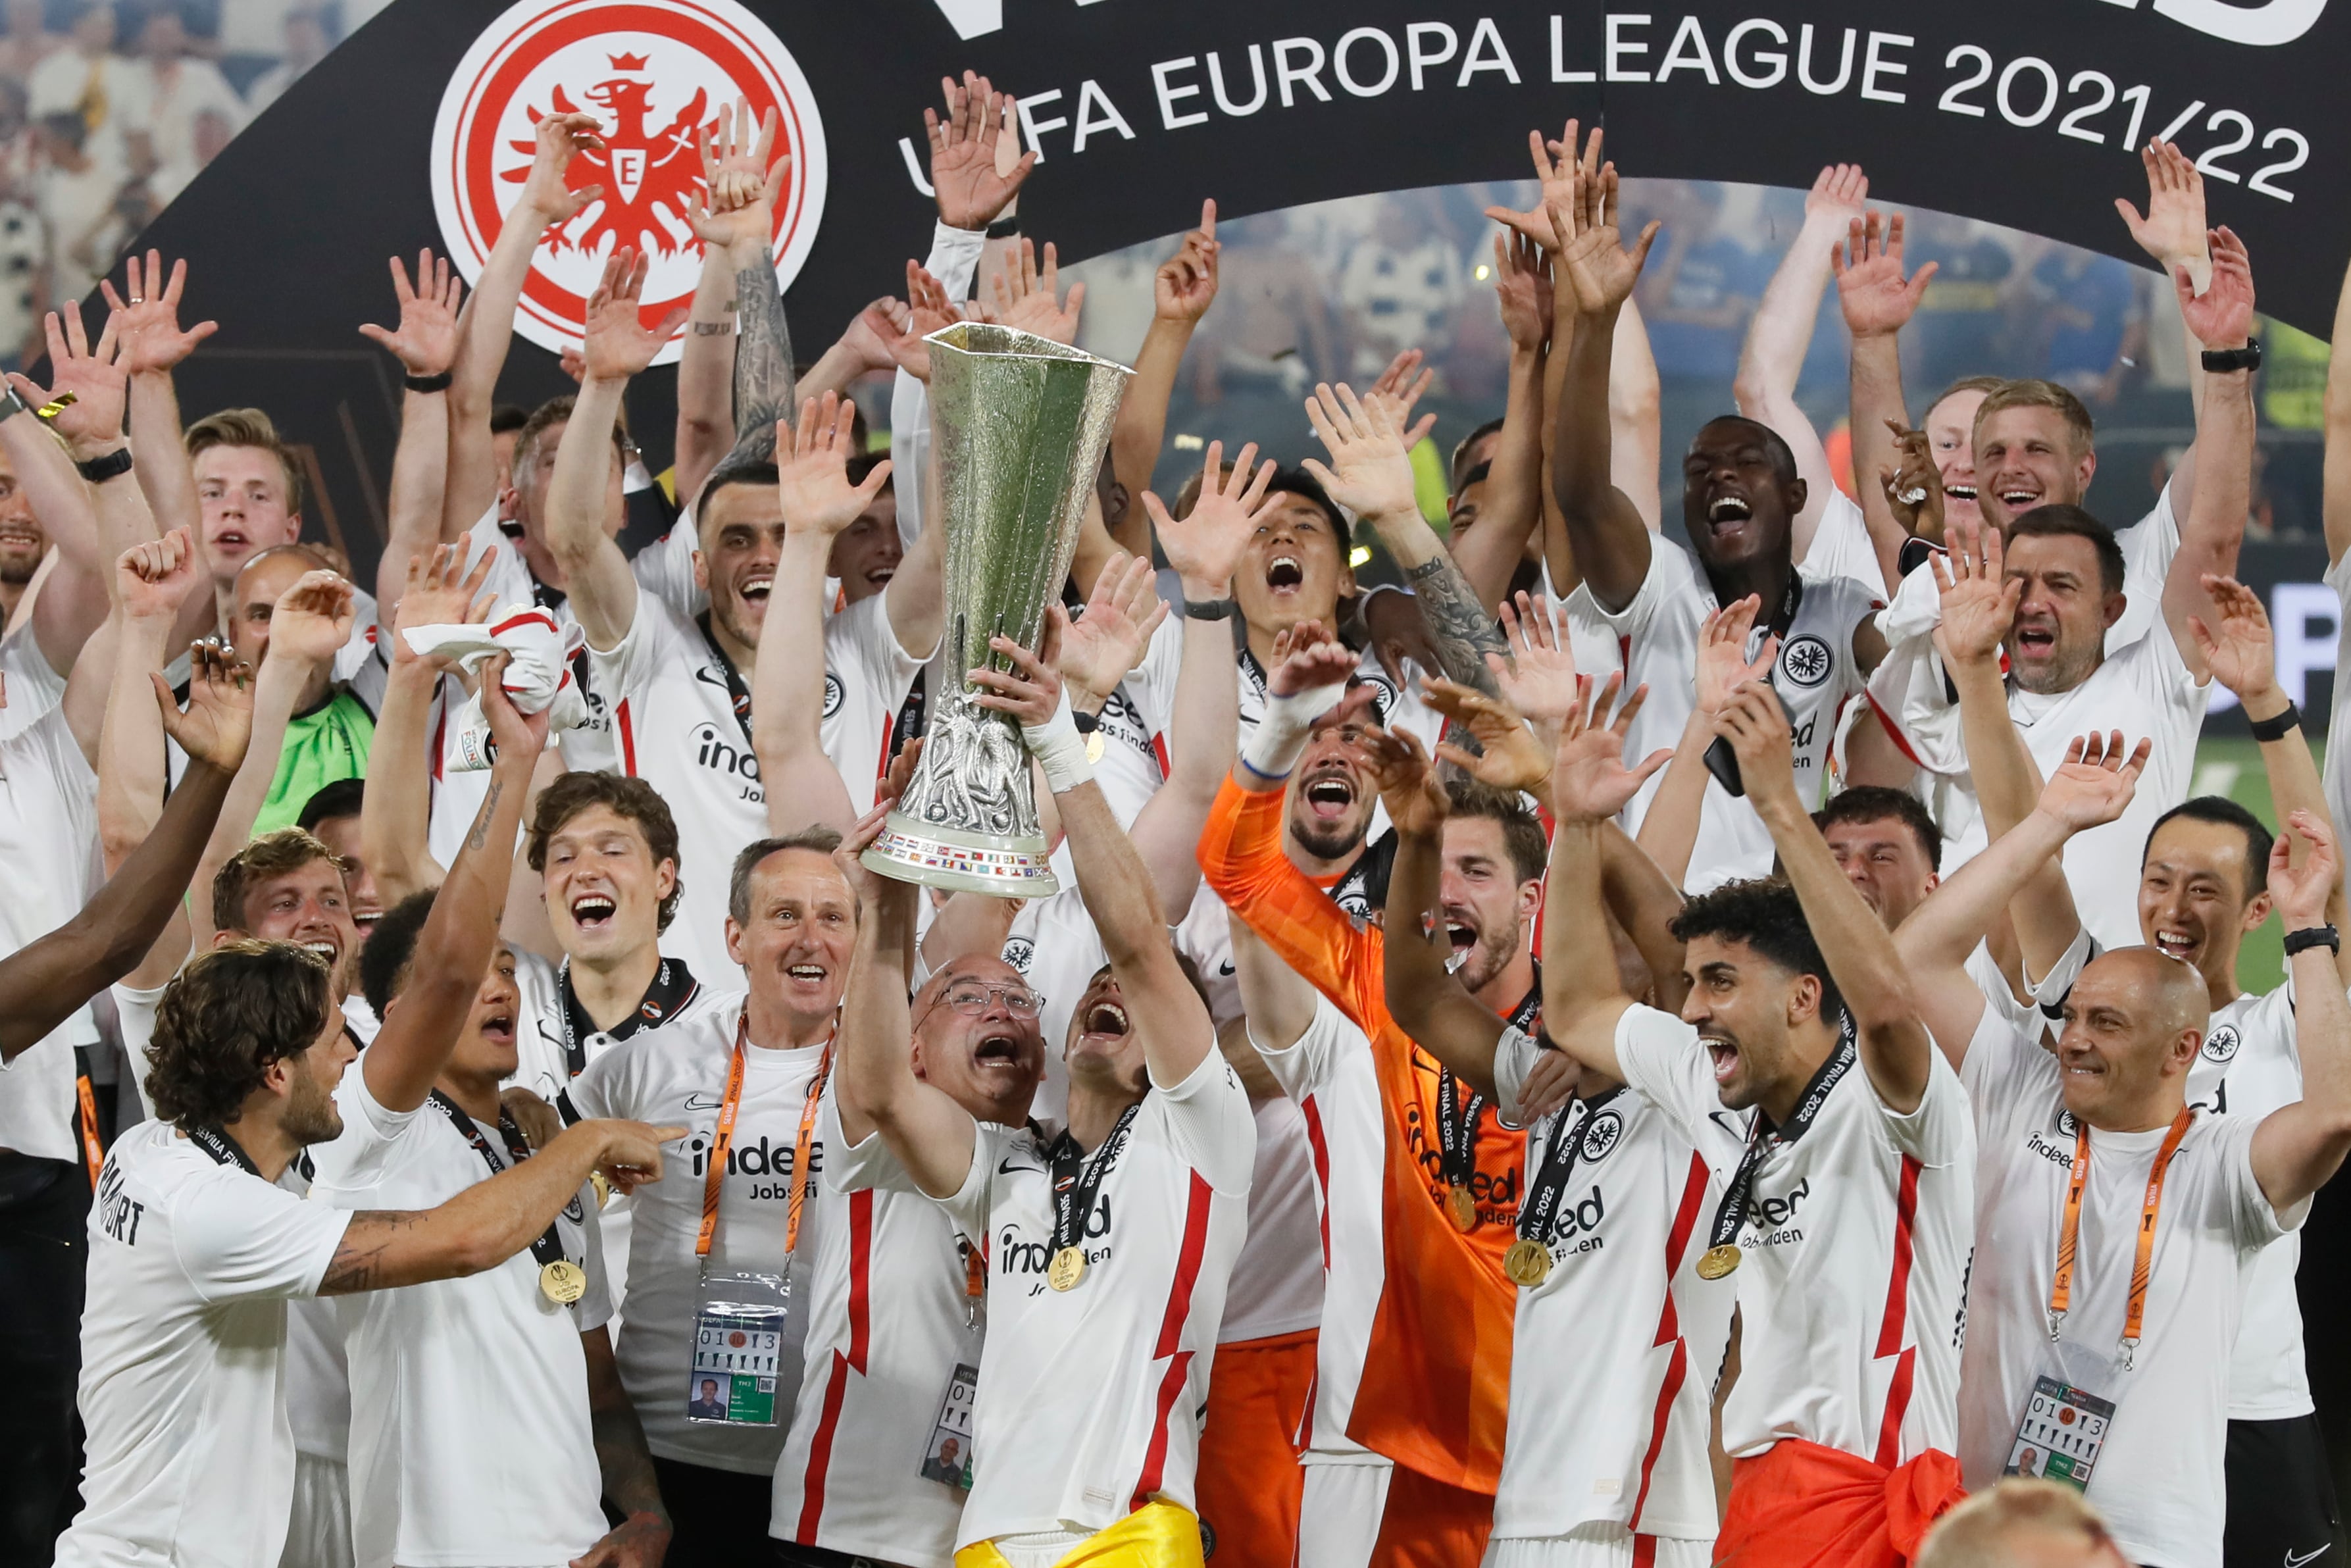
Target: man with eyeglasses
{"type": "Point", "coordinates": [746, 1073]}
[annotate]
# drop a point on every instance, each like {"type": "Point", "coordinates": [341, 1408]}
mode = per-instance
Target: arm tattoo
{"type": "Point", "coordinates": [764, 380]}
{"type": "Point", "coordinates": [480, 838]}
{"type": "Point", "coordinates": [358, 1263]}
{"type": "Point", "coordinates": [1457, 624]}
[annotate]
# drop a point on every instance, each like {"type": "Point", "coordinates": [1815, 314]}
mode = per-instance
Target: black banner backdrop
{"type": "Point", "coordinates": [2023, 113]}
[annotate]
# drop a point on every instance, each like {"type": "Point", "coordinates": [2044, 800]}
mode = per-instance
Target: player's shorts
{"type": "Point", "coordinates": [1339, 1516]}
{"type": "Point", "coordinates": [1597, 1545]}
{"type": "Point", "coordinates": [1248, 1483]}
{"type": "Point", "coordinates": [1428, 1524]}
{"type": "Point", "coordinates": [2282, 1505]}
{"type": "Point", "coordinates": [319, 1530]}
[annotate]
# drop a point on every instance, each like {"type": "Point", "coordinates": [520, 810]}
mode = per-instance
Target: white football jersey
{"type": "Point", "coordinates": [48, 841]}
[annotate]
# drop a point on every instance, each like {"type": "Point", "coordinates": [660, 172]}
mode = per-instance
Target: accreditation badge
{"type": "Point", "coordinates": [2060, 1434]}
{"type": "Point", "coordinates": [739, 1341]}
{"type": "Point", "coordinates": [947, 1456]}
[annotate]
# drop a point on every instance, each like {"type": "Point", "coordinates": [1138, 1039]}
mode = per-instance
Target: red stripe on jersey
{"type": "Point", "coordinates": [1897, 1284]}
{"type": "Point", "coordinates": [620, 720]}
{"type": "Point", "coordinates": [889, 727]}
{"type": "Point", "coordinates": [1171, 1334]}
{"type": "Point", "coordinates": [1670, 1389]}
{"type": "Point", "coordinates": [440, 735]}
{"type": "Point", "coordinates": [1897, 1403]}
{"type": "Point", "coordinates": [1645, 1552]}
{"type": "Point", "coordinates": [1678, 1242]}
{"type": "Point", "coordinates": [1893, 730]}
{"type": "Point", "coordinates": [819, 1459]}
{"type": "Point", "coordinates": [1159, 750]}
{"type": "Point", "coordinates": [1322, 1148]}
{"type": "Point", "coordinates": [861, 1277]}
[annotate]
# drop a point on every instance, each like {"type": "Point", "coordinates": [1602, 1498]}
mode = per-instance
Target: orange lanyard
{"type": "Point", "coordinates": [722, 1143]}
{"type": "Point", "coordinates": [975, 1280]}
{"type": "Point", "coordinates": [2069, 1234]}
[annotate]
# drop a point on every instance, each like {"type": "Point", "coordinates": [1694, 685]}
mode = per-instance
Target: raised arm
{"type": "Point", "coordinates": [1489, 552]}
{"type": "Point", "coordinates": [396, 812]}
{"type": "Point", "coordinates": [2335, 491]}
{"type": "Point", "coordinates": [1670, 827]}
{"type": "Point", "coordinates": [1423, 996]}
{"type": "Point", "coordinates": [2173, 234]}
{"type": "Point", "coordinates": [733, 217]}
{"type": "Point", "coordinates": [88, 533]}
{"type": "Point", "coordinates": [804, 785]}
{"type": "Point", "coordinates": [1181, 292]}
{"type": "Point", "coordinates": [42, 984]}
{"type": "Point", "coordinates": [425, 344]}
{"type": "Point", "coordinates": [931, 1135]}
{"type": "Point", "coordinates": [1878, 302]}
{"type": "Point", "coordinates": [1772, 358]}
{"type": "Point", "coordinates": [153, 582]}
{"type": "Point", "coordinates": [2209, 535]}
{"type": "Point", "coordinates": [616, 345]}
{"type": "Point", "coordinates": [147, 328]}
{"type": "Point", "coordinates": [2299, 1147]}
{"type": "Point", "coordinates": [1868, 972]}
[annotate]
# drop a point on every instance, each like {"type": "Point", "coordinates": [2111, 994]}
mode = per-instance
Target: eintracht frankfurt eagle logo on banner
{"type": "Point", "coordinates": [654, 73]}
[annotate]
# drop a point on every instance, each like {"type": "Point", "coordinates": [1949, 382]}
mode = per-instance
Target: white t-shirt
{"type": "Point", "coordinates": [1136, 720]}
{"type": "Point", "coordinates": [550, 1027]}
{"type": "Point", "coordinates": [184, 1358]}
{"type": "Point", "coordinates": [2160, 1480]}
{"type": "Point", "coordinates": [470, 1438]}
{"type": "Point", "coordinates": [1856, 1243]}
{"type": "Point", "coordinates": [675, 722]}
{"type": "Point", "coordinates": [1842, 546]}
{"type": "Point", "coordinates": [35, 686]}
{"type": "Point", "coordinates": [48, 841]}
{"type": "Point", "coordinates": [1614, 1356]}
{"type": "Point", "coordinates": [1657, 633]}
{"type": "Point", "coordinates": [1328, 1072]}
{"type": "Point", "coordinates": [676, 1076]}
{"type": "Point", "coordinates": [889, 1321]}
{"type": "Point", "coordinates": [1089, 1399]}
{"type": "Point", "coordinates": [1277, 1282]}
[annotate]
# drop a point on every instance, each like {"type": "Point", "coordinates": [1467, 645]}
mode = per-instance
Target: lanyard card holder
{"type": "Point", "coordinates": [738, 1343]}
{"type": "Point", "coordinates": [2062, 1428]}
{"type": "Point", "coordinates": [947, 1458]}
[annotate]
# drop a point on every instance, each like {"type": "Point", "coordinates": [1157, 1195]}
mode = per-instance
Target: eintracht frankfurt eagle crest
{"type": "Point", "coordinates": [653, 72]}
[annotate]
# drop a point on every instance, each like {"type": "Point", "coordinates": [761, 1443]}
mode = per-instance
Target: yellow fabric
{"type": "Point", "coordinates": [1156, 1535]}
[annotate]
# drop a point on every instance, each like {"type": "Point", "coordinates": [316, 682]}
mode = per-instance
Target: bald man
{"type": "Point", "coordinates": [320, 683]}
{"type": "Point", "coordinates": [2112, 1373]}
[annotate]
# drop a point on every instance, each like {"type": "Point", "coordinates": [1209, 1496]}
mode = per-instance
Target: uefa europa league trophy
{"type": "Point", "coordinates": [1019, 424]}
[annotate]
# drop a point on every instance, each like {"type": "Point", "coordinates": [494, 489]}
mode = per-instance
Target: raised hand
{"type": "Point", "coordinates": [1589, 780]}
{"type": "Point", "coordinates": [1523, 285]}
{"type": "Point", "coordinates": [2173, 229]}
{"type": "Point", "coordinates": [1723, 666]}
{"type": "Point", "coordinates": [1877, 298]}
{"type": "Point", "coordinates": [1512, 758]}
{"type": "Point", "coordinates": [91, 418]}
{"type": "Point", "coordinates": [1368, 473]}
{"type": "Point", "coordinates": [616, 344]}
{"type": "Point", "coordinates": [1186, 284]}
{"type": "Point", "coordinates": [1102, 647]}
{"type": "Point", "coordinates": [151, 581]}
{"type": "Point", "coordinates": [2301, 891]}
{"type": "Point", "coordinates": [1840, 193]}
{"type": "Point", "coordinates": [1757, 727]}
{"type": "Point", "coordinates": [2095, 783]}
{"type": "Point", "coordinates": [1537, 676]}
{"type": "Point", "coordinates": [1914, 490]}
{"type": "Point", "coordinates": [741, 176]}
{"type": "Point", "coordinates": [1306, 657]}
{"type": "Point", "coordinates": [1599, 267]}
{"type": "Point", "coordinates": [970, 190]}
{"type": "Point", "coordinates": [1400, 389]}
{"type": "Point", "coordinates": [425, 343]}
{"type": "Point", "coordinates": [1028, 300]}
{"type": "Point", "coordinates": [813, 485]}
{"type": "Point", "coordinates": [545, 200]}
{"type": "Point", "coordinates": [1031, 691]}
{"type": "Point", "coordinates": [1563, 178]}
{"type": "Point", "coordinates": [1979, 599]}
{"type": "Point", "coordinates": [873, 333]}
{"type": "Point", "coordinates": [512, 731]}
{"type": "Point", "coordinates": [1204, 546]}
{"type": "Point", "coordinates": [219, 718]}
{"type": "Point", "coordinates": [2239, 651]}
{"type": "Point", "coordinates": [2222, 316]}
{"type": "Point", "coordinates": [147, 325]}
{"type": "Point", "coordinates": [1408, 786]}
{"type": "Point", "coordinates": [440, 591]}
{"type": "Point", "coordinates": [312, 619]}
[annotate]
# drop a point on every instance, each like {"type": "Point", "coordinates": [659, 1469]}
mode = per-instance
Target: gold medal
{"type": "Point", "coordinates": [1094, 746]}
{"type": "Point", "coordinates": [603, 1187]}
{"type": "Point", "coordinates": [1461, 1208]}
{"type": "Point", "coordinates": [1528, 1262]}
{"type": "Point", "coordinates": [564, 1281]}
{"type": "Point", "coordinates": [1069, 1268]}
{"type": "Point", "coordinates": [1718, 1262]}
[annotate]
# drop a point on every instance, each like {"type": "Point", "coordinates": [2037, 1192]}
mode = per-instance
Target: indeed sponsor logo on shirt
{"type": "Point", "coordinates": [1015, 1254]}
{"type": "Point", "coordinates": [2048, 1151]}
{"type": "Point", "coordinates": [1576, 1228]}
{"type": "Point", "coordinates": [725, 754]}
{"type": "Point", "coordinates": [1501, 1192]}
{"type": "Point", "coordinates": [759, 1158]}
{"type": "Point", "coordinates": [1771, 1214]}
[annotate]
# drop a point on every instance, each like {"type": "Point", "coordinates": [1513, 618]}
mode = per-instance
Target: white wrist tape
{"type": "Point", "coordinates": [1059, 750]}
{"type": "Point", "coordinates": [1280, 737]}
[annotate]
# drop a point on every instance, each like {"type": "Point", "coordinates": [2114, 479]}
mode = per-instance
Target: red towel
{"type": "Point", "coordinates": [1800, 1505]}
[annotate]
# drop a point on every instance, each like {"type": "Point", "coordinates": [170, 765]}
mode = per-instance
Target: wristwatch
{"type": "Point", "coordinates": [2221, 361]}
{"type": "Point", "coordinates": [106, 465]}
{"type": "Point", "coordinates": [11, 405]}
{"type": "Point", "coordinates": [1211, 609]}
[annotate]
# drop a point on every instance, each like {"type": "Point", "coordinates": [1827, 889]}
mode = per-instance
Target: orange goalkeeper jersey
{"type": "Point", "coordinates": [1436, 1375]}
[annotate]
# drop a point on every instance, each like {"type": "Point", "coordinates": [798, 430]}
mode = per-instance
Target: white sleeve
{"type": "Point", "coordinates": [1664, 1063]}
{"type": "Point", "coordinates": [357, 1161]}
{"type": "Point", "coordinates": [596, 1301]}
{"type": "Point", "coordinates": [861, 638]}
{"type": "Point", "coordinates": [1209, 1123]}
{"type": "Point", "coordinates": [1514, 1058]}
{"type": "Point", "coordinates": [627, 668]}
{"type": "Point", "coordinates": [2149, 546]}
{"type": "Point", "coordinates": [237, 1238]}
{"type": "Point", "coordinates": [2255, 1223]}
{"type": "Point", "coordinates": [1842, 547]}
{"type": "Point", "coordinates": [856, 1167]}
{"type": "Point", "coordinates": [134, 1015]}
{"type": "Point", "coordinates": [664, 569]}
{"type": "Point", "coordinates": [1310, 1061]}
{"type": "Point", "coordinates": [954, 259]}
{"type": "Point", "coordinates": [2004, 1072]}
{"type": "Point", "coordinates": [970, 1206]}
{"type": "Point", "coordinates": [1668, 576]}
{"type": "Point", "coordinates": [600, 1091]}
{"type": "Point", "coordinates": [1941, 1131]}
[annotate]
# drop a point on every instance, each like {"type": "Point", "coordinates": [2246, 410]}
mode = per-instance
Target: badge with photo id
{"type": "Point", "coordinates": [739, 1341]}
{"type": "Point", "coordinates": [2059, 1438]}
{"type": "Point", "coordinates": [947, 1458]}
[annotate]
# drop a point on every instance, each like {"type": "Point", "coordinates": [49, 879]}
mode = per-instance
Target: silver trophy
{"type": "Point", "coordinates": [1018, 425]}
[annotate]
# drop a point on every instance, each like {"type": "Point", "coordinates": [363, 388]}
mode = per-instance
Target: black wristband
{"type": "Point", "coordinates": [2221, 361]}
{"type": "Point", "coordinates": [99, 470]}
{"type": "Point", "coordinates": [2277, 728]}
{"type": "Point", "coordinates": [1211, 609]}
{"type": "Point", "coordinates": [433, 383]}
{"type": "Point", "coordinates": [1006, 227]}
{"type": "Point", "coordinates": [2310, 937]}
{"type": "Point", "coordinates": [1087, 723]}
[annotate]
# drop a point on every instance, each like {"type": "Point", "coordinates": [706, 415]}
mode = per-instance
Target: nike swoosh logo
{"type": "Point", "coordinates": [2293, 1562]}
{"type": "Point", "coordinates": [705, 672]}
{"type": "Point", "coordinates": [1006, 1167]}
{"type": "Point", "coordinates": [1724, 1120]}
{"type": "Point", "coordinates": [702, 1102]}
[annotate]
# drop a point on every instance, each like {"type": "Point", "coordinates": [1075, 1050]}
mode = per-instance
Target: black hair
{"type": "Point", "coordinates": [2058, 520]}
{"type": "Point", "coordinates": [385, 957]}
{"type": "Point", "coordinates": [2224, 813]}
{"type": "Point", "coordinates": [340, 798]}
{"type": "Point", "coordinates": [1876, 803]}
{"type": "Point", "coordinates": [727, 474]}
{"type": "Point", "coordinates": [1522, 833]}
{"type": "Point", "coordinates": [1765, 914]}
{"type": "Point", "coordinates": [1491, 427]}
{"type": "Point", "coordinates": [1783, 456]}
{"type": "Point", "coordinates": [509, 416]}
{"type": "Point", "coordinates": [1299, 482]}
